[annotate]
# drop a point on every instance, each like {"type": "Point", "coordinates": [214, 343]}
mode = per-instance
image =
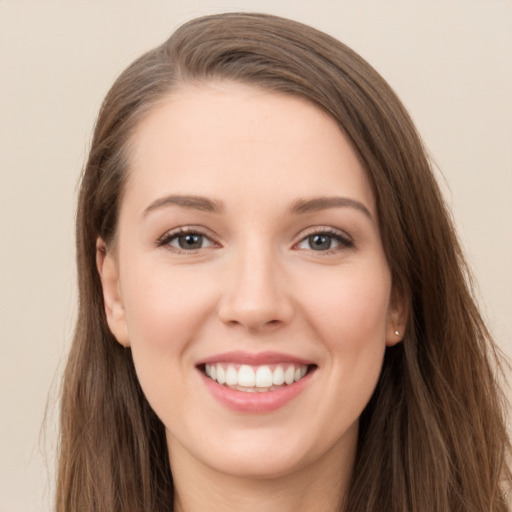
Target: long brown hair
{"type": "Point", "coordinates": [433, 436]}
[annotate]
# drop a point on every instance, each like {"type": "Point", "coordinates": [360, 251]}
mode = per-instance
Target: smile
{"type": "Point", "coordinates": [256, 383]}
{"type": "Point", "coordinates": [259, 379]}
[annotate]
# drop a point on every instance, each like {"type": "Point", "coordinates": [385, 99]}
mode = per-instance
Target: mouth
{"type": "Point", "coordinates": [260, 383]}
{"type": "Point", "coordinates": [252, 378]}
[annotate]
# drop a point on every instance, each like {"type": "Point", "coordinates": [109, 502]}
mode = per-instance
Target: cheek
{"type": "Point", "coordinates": [165, 305]}
{"type": "Point", "coordinates": [350, 318]}
{"type": "Point", "coordinates": [349, 314]}
{"type": "Point", "coordinates": [164, 312]}
{"type": "Point", "coordinates": [350, 308]}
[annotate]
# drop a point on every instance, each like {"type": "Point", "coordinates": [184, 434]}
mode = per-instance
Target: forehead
{"type": "Point", "coordinates": [221, 137]}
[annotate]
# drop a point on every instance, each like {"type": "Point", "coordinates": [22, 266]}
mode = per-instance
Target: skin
{"type": "Point", "coordinates": [255, 284]}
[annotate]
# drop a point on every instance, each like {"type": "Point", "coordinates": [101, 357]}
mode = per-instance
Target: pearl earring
{"type": "Point", "coordinates": [397, 333]}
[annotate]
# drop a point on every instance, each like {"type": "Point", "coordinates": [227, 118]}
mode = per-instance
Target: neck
{"type": "Point", "coordinates": [316, 487]}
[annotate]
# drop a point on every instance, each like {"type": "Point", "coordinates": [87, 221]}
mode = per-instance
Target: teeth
{"type": "Point", "coordinates": [263, 377]}
{"type": "Point", "coordinates": [255, 378]}
{"type": "Point", "coordinates": [246, 377]}
{"type": "Point", "coordinates": [299, 373]}
{"type": "Point", "coordinates": [289, 375]}
{"type": "Point", "coordinates": [278, 376]}
{"type": "Point", "coordinates": [231, 376]}
{"type": "Point", "coordinates": [221, 375]}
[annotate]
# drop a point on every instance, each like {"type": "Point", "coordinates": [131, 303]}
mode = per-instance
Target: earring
{"type": "Point", "coordinates": [397, 333]}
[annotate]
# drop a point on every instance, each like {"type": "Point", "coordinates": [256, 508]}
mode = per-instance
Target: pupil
{"type": "Point", "coordinates": [190, 241]}
{"type": "Point", "coordinates": [320, 242]}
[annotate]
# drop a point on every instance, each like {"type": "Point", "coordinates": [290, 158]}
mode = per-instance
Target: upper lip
{"type": "Point", "coordinates": [254, 359]}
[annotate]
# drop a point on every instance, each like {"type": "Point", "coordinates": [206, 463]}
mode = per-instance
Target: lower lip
{"type": "Point", "coordinates": [257, 402]}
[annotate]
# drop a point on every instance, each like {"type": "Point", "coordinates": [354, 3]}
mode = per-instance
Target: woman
{"type": "Point", "coordinates": [274, 308]}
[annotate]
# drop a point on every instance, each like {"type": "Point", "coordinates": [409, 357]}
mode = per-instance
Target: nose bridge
{"type": "Point", "coordinates": [256, 295]}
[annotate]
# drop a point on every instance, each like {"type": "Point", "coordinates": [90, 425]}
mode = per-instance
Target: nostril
{"type": "Point", "coordinates": [253, 322]}
{"type": "Point", "coordinates": [255, 305]}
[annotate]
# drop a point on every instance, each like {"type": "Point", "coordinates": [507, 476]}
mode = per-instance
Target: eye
{"type": "Point", "coordinates": [325, 241]}
{"type": "Point", "coordinates": [189, 241]}
{"type": "Point", "coordinates": [185, 240]}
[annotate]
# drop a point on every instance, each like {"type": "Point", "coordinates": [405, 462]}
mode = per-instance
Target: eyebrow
{"type": "Point", "coordinates": [299, 206]}
{"type": "Point", "coordinates": [323, 203]}
{"type": "Point", "coordinates": [192, 202]}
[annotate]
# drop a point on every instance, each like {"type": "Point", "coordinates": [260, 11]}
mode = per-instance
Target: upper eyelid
{"type": "Point", "coordinates": [344, 240]}
{"type": "Point", "coordinates": [184, 230]}
{"type": "Point", "coordinates": [322, 229]}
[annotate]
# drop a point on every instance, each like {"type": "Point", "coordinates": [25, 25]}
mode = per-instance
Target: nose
{"type": "Point", "coordinates": [255, 295]}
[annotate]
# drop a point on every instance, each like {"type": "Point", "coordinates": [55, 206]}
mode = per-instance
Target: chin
{"type": "Point", "coordinates": [259, 467]}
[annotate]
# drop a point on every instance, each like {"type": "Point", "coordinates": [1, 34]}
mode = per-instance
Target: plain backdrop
{"type": "Point", "coordinates": [450, 61]}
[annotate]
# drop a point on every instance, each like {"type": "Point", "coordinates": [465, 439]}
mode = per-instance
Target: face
{"type": "Point", "coordinates": [249, 279]}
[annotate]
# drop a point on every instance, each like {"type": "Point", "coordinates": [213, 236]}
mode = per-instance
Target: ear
{"type": "Point", "coordinates": [397, 318]}
{"type": "Point", "coordinates": [108, 270]}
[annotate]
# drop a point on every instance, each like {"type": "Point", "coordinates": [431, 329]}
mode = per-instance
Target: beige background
{"type": "Point", "coordinates": [450, 62]}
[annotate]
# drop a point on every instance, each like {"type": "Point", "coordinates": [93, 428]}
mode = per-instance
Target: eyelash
{"type": "Point", "coordinates": [167, 238]}
{"type": "Point", "coordinates": [343, 240]}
